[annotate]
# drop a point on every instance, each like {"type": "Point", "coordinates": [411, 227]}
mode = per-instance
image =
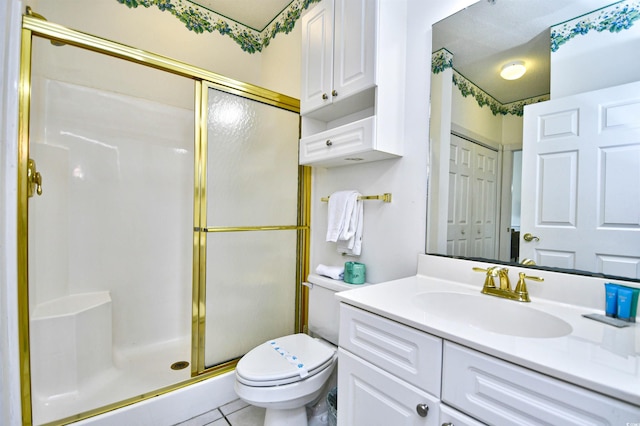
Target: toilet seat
{"type": "Point", "coordinates": [284, 360]}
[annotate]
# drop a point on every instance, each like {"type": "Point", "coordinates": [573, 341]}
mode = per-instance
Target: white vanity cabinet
{"type": "Point", "coordinates": [353, 74]}
{"type": "Point", "coordinates": [389, 372]}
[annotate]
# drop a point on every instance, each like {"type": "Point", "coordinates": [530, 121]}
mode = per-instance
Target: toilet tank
{"type": "Point", "coordinates": [324, 307]}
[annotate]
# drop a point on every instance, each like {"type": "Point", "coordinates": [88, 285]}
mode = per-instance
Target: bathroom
{"type": "Point", "coordinates": [400, 227]}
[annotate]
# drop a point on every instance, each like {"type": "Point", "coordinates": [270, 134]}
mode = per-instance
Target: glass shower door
{"type": "Point", "coordinates": [251, 224]}
{"type": "Point", "coordinates": [110, 236]}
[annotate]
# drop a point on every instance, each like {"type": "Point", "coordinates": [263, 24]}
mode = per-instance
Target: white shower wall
{"type": "Point", "coordinates": [116, 210]}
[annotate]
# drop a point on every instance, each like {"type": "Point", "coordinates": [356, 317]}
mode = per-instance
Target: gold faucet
{"type": "Point", "coordinates": [520, 293]}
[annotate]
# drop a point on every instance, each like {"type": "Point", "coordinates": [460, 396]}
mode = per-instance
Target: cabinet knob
{"type": "Point", "coordinates": [324, 96]}
{"type": "Point", "coordinates": [448, 424]}
{"type": "Point", "coordinates": [329, 143]}
{"type": "Point", "coordinates": [334, 93]}
{"type": "Point", "coordinates": [422, 409]}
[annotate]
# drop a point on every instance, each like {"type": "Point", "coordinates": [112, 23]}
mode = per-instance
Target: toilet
{"type": "Point", "coordinates": [285, 374]}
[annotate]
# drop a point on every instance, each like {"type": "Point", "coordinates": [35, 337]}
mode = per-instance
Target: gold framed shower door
{"type": "Point", "coordinates": [34, 26]}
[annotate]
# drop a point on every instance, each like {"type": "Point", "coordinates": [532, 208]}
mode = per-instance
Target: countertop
{"type": "Point", "coordinates": [594, 355]}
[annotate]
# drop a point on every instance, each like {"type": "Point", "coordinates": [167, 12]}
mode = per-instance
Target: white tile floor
{"type": "Point", "coordinates": [236, 413]}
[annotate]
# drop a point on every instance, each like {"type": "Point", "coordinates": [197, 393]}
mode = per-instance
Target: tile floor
{"type": "Point", "coordinates": [236, 413]}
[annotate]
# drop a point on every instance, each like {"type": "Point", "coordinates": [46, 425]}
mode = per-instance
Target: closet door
{"type": "Point", "coordinates": [473, 204]}
{"type": "Point", "coordinates": [251, 216]}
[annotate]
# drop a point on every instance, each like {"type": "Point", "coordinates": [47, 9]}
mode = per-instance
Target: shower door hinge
{"type": "Point", "coordinates": [34, 179]}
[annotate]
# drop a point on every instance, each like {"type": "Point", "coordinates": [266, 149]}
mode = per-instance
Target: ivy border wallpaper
{"type": "Point", "coordinates": [200, 19]}
{"type": "Point", "coordinates": [614, 18]}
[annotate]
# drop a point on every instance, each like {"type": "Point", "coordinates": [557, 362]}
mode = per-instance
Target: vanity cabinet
{"type": "Point", "coordinates": [353, 68]}
{"type": "Point", "coordinates": [388, 373]}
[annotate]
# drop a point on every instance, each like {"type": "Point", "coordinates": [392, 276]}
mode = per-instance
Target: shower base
{"type": "Point", "coordinates": [134, 372]}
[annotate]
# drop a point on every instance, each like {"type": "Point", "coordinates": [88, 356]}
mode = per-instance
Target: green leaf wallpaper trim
{"type": "Point", "coordinates": [199, 20]}
{"type": "Point", "coordinates": [443, 59]}
{"type": "Point", "coordinates": [615, 18]}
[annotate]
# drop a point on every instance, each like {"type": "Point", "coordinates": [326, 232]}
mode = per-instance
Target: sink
{"type": "Point", "coordinates": [492, 314]}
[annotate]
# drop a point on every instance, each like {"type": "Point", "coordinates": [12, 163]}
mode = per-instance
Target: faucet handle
{"type": "Point", "coordinates": [491, 272]}
{"type": "Point", "coordinates": [521, 287]}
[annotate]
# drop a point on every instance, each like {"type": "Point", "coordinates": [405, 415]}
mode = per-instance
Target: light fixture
{"type": "Point", "coordinates": [513, 70]}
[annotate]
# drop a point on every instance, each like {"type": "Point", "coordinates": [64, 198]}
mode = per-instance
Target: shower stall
{"type": "Point", "coordinates": [162, 225]}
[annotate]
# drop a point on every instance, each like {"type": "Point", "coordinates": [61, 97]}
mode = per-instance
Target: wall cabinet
{"type": "Point", "coordinates": [353, 67]}
{"type": "Point", "coordinates": [338, 52]}
{"type": "Point", "coordinates": [389, 373]}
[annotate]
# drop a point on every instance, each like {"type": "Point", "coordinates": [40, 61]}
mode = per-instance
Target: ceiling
{"type": "Point", "coordinates": [256, 14]}
{"type": "Point", "coordinates": [488, 34]}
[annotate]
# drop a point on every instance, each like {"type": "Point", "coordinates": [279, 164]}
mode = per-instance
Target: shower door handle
{"type": "Point", "coordinates": [34, 179]}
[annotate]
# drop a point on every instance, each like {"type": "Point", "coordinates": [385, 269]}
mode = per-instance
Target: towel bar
{"type": "Point", "coordinates": [386, 197]}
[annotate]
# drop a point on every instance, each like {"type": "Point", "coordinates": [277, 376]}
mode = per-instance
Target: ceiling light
{"type": "Point", "coordinates": [513, 70]}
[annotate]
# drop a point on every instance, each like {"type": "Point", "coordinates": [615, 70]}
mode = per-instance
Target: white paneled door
{"type": "Point", "coordinates": [473, 205]}
{"type": "Point", "coordinates": [581, 182]}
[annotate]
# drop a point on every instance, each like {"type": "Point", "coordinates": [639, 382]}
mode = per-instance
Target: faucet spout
{"type": "Point", "coordinates": [503, 274]}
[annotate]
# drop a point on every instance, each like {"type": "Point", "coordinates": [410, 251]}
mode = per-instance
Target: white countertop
{"type": "Point", "coordinates": [594, 355]}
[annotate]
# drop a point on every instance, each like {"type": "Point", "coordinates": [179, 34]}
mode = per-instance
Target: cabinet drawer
{"type": "Point", "coordinates": [370, 396]}
{"type": "Point", "coordinates": [449, 416]}
{"type": "Point", "coordinates": [407, 353]}
{"type": "Point", "coordinates": [498, 392]}
{"type": "Point", "coordinates": [335, 146]}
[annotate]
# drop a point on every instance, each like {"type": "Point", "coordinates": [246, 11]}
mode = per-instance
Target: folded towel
{"type": "Point", "coordinates": [341, 206]}
{"type": "Point", "coordinates": [335, 272]}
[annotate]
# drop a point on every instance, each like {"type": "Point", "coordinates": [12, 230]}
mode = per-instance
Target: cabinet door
{"type": "Point", "coordinates": [370, 396]}
{"type": "Point", "coordinates": [317, 57]}
{"type": "Point", "coordinates": [354, 46]}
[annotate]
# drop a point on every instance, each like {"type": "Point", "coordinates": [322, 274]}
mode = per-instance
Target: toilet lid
{"type": "Point", "coordinates": [284, 360]}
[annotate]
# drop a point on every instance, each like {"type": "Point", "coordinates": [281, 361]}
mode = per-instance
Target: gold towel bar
{"type": "Point", "coordinates": [386, 197]}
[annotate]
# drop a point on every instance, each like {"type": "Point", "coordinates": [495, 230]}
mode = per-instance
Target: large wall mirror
{"type": "Point", "coordinates": [478, 119]}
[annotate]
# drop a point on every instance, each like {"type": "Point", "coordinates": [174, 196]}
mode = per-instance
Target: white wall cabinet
{"type": "Point", "coordinates": [389, 373]}
{"type": "Point", "coordinates": [338, 53]}
{"type": "Point", "coordinates": [353, 68]}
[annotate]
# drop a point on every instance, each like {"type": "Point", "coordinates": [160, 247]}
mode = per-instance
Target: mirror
{"type": "Point", "coordinates": [474, 212]}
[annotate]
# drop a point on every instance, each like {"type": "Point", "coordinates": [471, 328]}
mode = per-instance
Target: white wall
{"type": "Point", "coordinates": [10, 414]}
{"type": "Point", "coordinates": [479, 122]}
{"type": "Point", "coordinates": [153, 30]}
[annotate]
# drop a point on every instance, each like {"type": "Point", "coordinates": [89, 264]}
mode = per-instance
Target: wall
{"type": "Point", "coordinates": [478, 122]}
{"type": "Point", "coordinates": [10, 413]}
{"type": "Point", "coordinates": [600, 58]}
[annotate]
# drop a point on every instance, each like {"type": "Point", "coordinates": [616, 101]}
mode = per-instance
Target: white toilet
{"type": "Point", "coordinates": [286, 374]}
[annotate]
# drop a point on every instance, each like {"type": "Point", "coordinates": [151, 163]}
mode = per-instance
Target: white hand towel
{"type": "Point", "coordinates": [341, 205]}
{"type": "Point", "coordinates": [335, 272]}
{"type": "Point", "coordinates": [352, 246]}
